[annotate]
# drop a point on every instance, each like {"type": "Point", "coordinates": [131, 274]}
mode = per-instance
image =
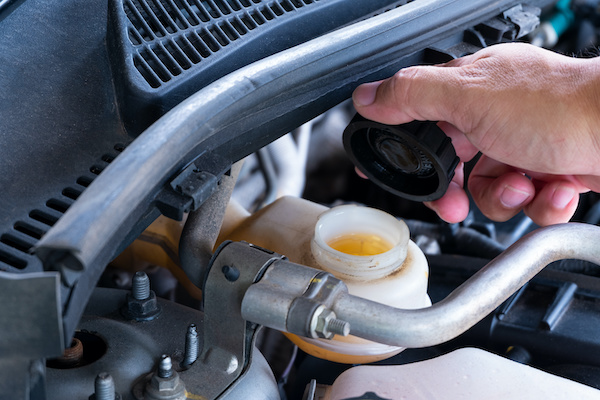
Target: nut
{"type": "Point", "coordinates": [171, 388]}
{"type": "Point", "coordinates": [323, 319]}
{"type": "Point", "coordinates": [163, 384]}
{"type": "Point", "coordinates": [141, 310]}
{"type": "Point", "coordinates": [324, 324]}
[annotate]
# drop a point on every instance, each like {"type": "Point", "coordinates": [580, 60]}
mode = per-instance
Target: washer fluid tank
{"type": "Point", "coordinates": [368, 249]}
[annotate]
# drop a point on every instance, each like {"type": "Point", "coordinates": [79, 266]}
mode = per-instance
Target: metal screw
{"type": "Point", "coordinates": [140, 287]}
{"type": "Point", "coordinates": [338, 327]}
{"type": "Point", "coordinates": [165, 367]}
{"type": "Point", "coordinates": [191, 345]}
{"type": "Point", "coordinates": [104, 387]}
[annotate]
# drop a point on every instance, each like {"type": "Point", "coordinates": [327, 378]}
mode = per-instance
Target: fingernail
{"type": "Point", "coordinates": [513, 198]}
{"type": "Point", "coordinates": [562, 197]}
{"type": "Point", "coordinates": [364, 95]}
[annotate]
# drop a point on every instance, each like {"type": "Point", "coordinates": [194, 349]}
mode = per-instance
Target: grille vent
{"type": "Point", "coordinates": [172, 35]}
{"type": "Point", "coordinates": [16, 244]}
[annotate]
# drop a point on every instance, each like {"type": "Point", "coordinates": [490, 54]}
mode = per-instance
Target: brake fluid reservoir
{"type": "Point", "coordinates": [368, 249]}
{"type": "Point", "coordinates": [372, 253]}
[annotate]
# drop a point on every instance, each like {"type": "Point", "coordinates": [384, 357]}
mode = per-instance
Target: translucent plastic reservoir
{"type": "Point", "coordinates": [462, 374]}
{"type": "Point", "coordinates": [368, 249]}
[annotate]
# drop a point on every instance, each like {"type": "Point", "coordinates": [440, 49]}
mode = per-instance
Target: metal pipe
{"type": "Point", "coordinates": [475, 298]}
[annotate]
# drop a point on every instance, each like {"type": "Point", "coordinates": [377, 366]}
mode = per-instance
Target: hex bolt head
{"type": "Point", "coordinates": [324, 324]}
{"type": "Point", "coordinates": [165, 384]}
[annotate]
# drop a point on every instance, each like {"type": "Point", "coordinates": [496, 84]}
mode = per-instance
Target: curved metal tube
{"type": "Point", "coordinates": [477, 297]}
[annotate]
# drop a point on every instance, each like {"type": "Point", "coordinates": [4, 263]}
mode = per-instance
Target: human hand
{"type": "Point", "coordinates": [534, 114]}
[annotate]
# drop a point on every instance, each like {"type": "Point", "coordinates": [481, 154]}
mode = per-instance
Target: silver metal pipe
{"type": "Point", "coordinates": [474, 299]}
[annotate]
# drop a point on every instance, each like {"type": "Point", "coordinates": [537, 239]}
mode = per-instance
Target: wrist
{"type": "Point", "coordinates": [586, 79]}
{"type": "Point", "coordinates": [589, 89]}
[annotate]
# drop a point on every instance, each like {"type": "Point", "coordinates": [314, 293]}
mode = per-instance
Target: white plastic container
{"type": "Point", "coordinates": [304, 232]}
{"type": "Point", "coordinates": [469, 374]}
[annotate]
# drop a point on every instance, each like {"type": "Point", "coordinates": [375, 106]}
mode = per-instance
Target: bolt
{"type": "Point", "coordinates": [165, 367]}
{"type": "Point", "coordinates": [165, 383]}
{"type": "Point", "coordinates": [141, 302]}
{"type": "Point", "coordinates": [104, 388]}
{"type": "Point", "coordinates": [231, 273]}
{"type": "Point", "coordinates": [140, 287]}
{"type": "Point", "coordinates": [191, 345]}
{"type": "Point", "coordinates": [338, 327]}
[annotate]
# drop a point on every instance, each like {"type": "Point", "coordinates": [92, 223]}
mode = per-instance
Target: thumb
{"type": "Point", "coordinates": [416, 93]}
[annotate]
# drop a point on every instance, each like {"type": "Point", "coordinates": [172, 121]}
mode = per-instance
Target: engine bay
{"type": "Point", "coordinates": [166, 162]}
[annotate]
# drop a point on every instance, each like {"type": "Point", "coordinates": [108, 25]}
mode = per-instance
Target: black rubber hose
{"type": "Point", "coordinates": [461, 241]}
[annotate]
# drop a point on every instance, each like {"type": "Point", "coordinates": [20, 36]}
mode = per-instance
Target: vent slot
{"type": "Point", "coordinates": [43, 217]}
{"type": "Point", "coordinates": [229, 31]}
{"type": "Point", "coordinates": [189, 50]}
{"type": "Point", "coordinates": [277, 9]}
{"type": "Point", "coordinates": [165, 19]}
{"type": "Point", "coordinates": [287, 6]}
{"type": "Point", "coordinates": [257, 17]}
{"type": "Point", "coordinates": [84, 181]}
{"type": "Point", "coordinates": [199, 45]}
{"type": "Point", "coordinates": [96, 169]}
{"type": "Point", "coordinates": [29, 230]}
{"type": "Point", "coordinates": [209, 40]}
{"type": "Point", "coordinates": [150, 19]}
{"type": "Point", "coordinates": [220, 36]}
{"type": "Point", "coordinates": [235, 5]}
{"type": "Point", "coordinates": [146, 72]}
{"type": "Point", "coordinates": [186, 11]}
{"type": "Point", "coordinates": [223, 7]}
{"type": "Point", "coordinates": [167, 60]}
{"type": "Point", "coordinates": [58, 205]}
{"type": "Point", "coordinates": [248, 21]}
{"type": "Point", "coordinates": [137, 20]}
{"type": "Point", "coordinates": [119, 147]}
{"type": "Point", "coordinates": [16, 243]}
{"type": "Point", "coordinates": [210, 7]}
{"type": "Point", "coordinates": [178, 55]}
{"type": "Point", "coordinates": [71, 193]}
{"type": "Point", "coordinates": [154, 64]}
{"type": "Point", "coordinates": [237, 24]}
{"type": "Point", "coordinates": [12, 260]}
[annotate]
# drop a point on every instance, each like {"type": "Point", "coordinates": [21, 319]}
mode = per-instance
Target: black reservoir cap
{"type": "Point", "coordinates": [415, 161]}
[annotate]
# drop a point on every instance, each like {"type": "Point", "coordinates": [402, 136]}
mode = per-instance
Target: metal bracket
{"type": "Point", "coordinates": [192, 186]}
{"type": "Point", "coordinates": [31, 322]}
{"type": "Point", "coordinates": [526, 18]}
{"type": "Point", "coordinates": [228, 339]}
